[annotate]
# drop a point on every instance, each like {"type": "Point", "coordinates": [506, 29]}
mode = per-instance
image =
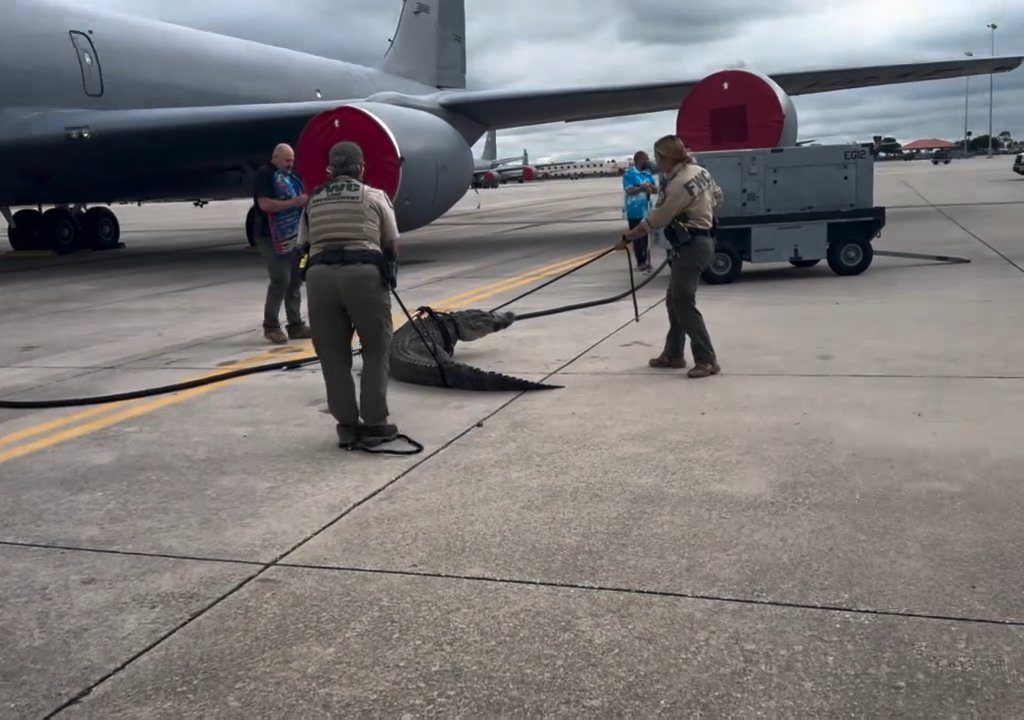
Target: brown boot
{"type": "Point", "coordinates": [275, 336]}
{"type": "Point", "coordinates": [299, 332]}
{"type": "Point", "coordinates": [664, 361]}
{"type": "Point", "coordinates": [703, 370]}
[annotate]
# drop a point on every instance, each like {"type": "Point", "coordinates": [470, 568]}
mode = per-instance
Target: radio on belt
{"type": "Point", "coordinates": [798, 204]}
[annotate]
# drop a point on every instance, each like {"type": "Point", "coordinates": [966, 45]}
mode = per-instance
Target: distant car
{"type": "Point", "coordinates": [1018, 164]}
{"type": "Point", "coordinates": [941, 156]}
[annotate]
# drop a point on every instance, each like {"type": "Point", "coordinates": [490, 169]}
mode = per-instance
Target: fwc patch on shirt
{"type": "Point", "coordinates": [342, 191]}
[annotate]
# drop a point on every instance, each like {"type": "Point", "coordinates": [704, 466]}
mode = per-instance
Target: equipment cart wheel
{"type": "Point", "coordinates": [849, 255]}
{"type": "Point", "coordinates": [726, 265]}
{"type": "Point", "coordinates": [804, 263]}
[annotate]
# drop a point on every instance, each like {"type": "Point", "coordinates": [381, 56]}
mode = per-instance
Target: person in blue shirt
{"type": "Point", "coordinates": [638, 186]}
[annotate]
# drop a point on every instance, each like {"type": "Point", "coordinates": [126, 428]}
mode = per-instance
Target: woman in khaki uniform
{"type": "Point", "coordinates": [685, 211]}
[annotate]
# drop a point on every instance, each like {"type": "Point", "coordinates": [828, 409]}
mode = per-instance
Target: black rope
{"type": "Point", "coordinates": [632, 285]}
{"type": "Point", "coordinates": [292, 364]}
{"type": "Point", "coordinates": [296, 363]}
{"type": "Point", "coordinates": [429, 346]}
{"type": "Point", "coordinates": [376, 449]}
{"type": "Point", "coordinates": [554, 279]}
{"type": "Point", "coordinates": [592, 303]}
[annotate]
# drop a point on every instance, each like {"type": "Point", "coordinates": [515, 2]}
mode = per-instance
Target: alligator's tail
{"type": "Point", "coordinates": [463, 377]}
{"type": "Point", "coordinates": [467, 377]}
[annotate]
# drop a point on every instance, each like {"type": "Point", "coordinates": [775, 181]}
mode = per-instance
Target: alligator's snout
{"type": "Point", "coordinates": [475, 324]}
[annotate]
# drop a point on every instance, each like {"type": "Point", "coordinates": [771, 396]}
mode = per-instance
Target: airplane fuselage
{"type": "Point", "coordinates": [103, 61]}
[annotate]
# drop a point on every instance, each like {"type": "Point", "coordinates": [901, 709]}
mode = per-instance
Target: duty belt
{"type": "Point", "coordinates": [341, 256]}
{"type": "Point", "coordinates": [679, 235]}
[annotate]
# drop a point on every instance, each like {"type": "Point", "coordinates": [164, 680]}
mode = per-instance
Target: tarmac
{"type": "Point", "coordinates": [830, 528]}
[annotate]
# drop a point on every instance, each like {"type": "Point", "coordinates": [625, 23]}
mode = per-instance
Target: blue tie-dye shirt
{"type": "Point", "coordinates": [637, 206]}
{"type": "Point", "coordinates": [284, 225]}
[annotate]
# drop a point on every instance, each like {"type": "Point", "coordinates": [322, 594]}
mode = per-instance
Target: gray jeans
{"type": "Point", "coordinates": [285, 285]}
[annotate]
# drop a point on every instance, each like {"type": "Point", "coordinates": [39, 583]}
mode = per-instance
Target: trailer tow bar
{"type": "Point", "coordinates": [919, 256]}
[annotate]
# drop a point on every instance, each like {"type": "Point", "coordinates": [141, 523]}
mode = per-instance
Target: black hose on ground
{"type": "Point", "coordinates": [296, 363]}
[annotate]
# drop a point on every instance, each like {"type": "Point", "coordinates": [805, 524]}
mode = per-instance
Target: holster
{"type": "Point", "coordinates": [679, 235]}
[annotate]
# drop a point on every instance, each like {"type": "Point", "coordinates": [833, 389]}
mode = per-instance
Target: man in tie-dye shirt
{"type": "Point", "coordinates": [638, 186]}
{"type": "Point", "coordinates": [279, 195]}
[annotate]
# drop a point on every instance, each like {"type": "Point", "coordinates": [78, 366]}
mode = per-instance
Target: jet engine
{"type": "Point", "coordinates": [418, 159]}
{"type": "Point", "coordinates": [736, 110]}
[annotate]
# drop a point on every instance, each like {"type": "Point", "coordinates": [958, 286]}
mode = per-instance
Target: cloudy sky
{"type": "Point", "coordinates": [565, 43]}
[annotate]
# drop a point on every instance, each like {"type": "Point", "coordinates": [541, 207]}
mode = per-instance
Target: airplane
{"type": "Point", "coordinates": [98, 108]}
{"type": "Point", "coordinates": [489, 171]}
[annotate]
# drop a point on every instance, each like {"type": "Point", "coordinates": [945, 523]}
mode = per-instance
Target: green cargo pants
{"type": "Point", "coordinates": [344, 299]}
{"type": "Point", "coordinates": [684, 319]}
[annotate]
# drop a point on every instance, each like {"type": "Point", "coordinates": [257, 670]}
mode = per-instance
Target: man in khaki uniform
{"type": "Point", "coordinates": [685, 211]}
{"type": "Point", "coordinates": [350, 232]}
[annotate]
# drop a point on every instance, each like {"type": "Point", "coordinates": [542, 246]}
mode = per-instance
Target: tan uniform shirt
{"type": "Point", "coordinates": [689, 189]}
{"type": "Point", "coordinates": [345, 213]}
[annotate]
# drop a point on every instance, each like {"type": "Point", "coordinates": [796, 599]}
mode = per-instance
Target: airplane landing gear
{"type": "Point", "coordinates": [60, 230]}
{"type": "Point", "coordinates": [64, 230]}
{"type": "Point", "coordinates": [24, 230]}
{"type": "Point", "coordinates": [101, 229]}
{"type": "Point", "coordinates": [250, 226]}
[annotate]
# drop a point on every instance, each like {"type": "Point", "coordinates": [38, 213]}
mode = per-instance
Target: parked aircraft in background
{"type": "Point", "coordinates": [489, 171]}
{"type": "Point", "coordinates": [98, 108]}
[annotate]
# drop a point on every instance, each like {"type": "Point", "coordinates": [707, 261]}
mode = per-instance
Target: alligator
{"type": "Point", "coordinates": [412, 361]}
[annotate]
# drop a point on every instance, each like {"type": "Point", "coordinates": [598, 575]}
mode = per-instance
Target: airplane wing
{"type": "Point", "coordinates": [226, 139]}
{"type": "Point", "coordinates": [516, 108]}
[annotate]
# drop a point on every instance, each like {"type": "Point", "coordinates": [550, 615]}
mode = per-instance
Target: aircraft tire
{"type": "Point", "coordinates": [60, 231]}
{"type": "Point", "coordinates": [27, 234]}
{"type": "Point", "coordinates": [101, 229]}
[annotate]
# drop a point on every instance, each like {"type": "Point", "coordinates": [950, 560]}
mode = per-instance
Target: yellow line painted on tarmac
{"type": "Point", "coordinates": [134, 411]}
{"type": "Point", "coordinates": [522, 279]}
{"type": "Point", "coordinates": [41, 428]}
{"type": "Point", "coordinates": [54, 424]}
{"type": "Point", "coordinates": [128, 413]}
{"type": "Point", "coordinates": [465, 298]}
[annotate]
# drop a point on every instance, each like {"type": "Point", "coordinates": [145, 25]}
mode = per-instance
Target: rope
{"type": "Point", "coordinates": [296, 363]}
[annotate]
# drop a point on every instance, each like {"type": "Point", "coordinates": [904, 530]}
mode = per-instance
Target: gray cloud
{"type": "Point", "coordinates": [565, 43]}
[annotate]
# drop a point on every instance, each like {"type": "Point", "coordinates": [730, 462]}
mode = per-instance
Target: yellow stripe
{"type": "Point", "coordinates": [510, 283]}
{"type": "Point", "coordinates": [115, 417]}
{"type": "Point", "coordinates": [54, 424]}
{"type": "Point", "coordinates": [127, 414]}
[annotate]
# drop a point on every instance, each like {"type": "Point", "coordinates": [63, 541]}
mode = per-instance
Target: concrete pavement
{"type": "Point", "coordinates": [831, 527]}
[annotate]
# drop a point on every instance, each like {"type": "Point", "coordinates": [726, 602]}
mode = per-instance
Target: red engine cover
{"type": "Point", "coordinates": [529, 173]}
{"type": "Point", "coordinates": [736, 110]}
{"type": "Point", "coordinates": [380, 149]}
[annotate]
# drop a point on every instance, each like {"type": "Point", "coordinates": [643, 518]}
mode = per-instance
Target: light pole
{"type": "Point", "coordinates": [991, 78]}
{"type": "Point", "coordinates": [967, 91]}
